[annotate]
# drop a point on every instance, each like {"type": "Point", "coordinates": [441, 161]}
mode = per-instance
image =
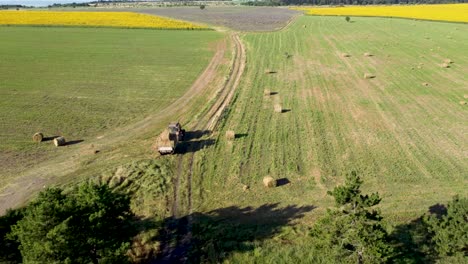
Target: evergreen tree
{"type": "Point", "coordinates": [89, 225]}
{"type": "Point", "coordinates": [352, 232]}
{"type": "Point", "coordinates": [449, 232]}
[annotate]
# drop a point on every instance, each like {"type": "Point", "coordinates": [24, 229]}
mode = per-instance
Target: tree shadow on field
{"type": "Point", "coordinates": [221, 232]}
{"type": "Point", "coordinates": [412, 239]}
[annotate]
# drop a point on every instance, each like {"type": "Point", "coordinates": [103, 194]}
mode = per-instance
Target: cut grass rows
{"type": "Point", "coordinates": [405, 139]}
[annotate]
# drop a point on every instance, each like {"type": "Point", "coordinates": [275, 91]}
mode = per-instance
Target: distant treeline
{"type": "Point", "coordinates": [348, 2]}
{"type": "Point", "coordinates": [12, 6]}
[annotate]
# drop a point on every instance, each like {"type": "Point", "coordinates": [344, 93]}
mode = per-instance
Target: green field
{"type": "Point", "coordinates": [403, 131]}
{"type": "Point", "coordinates": [406, 140]}
{"type": "Point", "coordinates": [81, 82]}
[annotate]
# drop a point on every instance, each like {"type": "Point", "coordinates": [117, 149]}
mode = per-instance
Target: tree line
{"type": "Point", "coordinates": [348, 2]}
{"type": "Point", "coordinates": [94, 224]}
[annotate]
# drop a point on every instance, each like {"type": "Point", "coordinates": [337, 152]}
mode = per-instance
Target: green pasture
{"type": "Point", "coordinates": [406, 139]}
{"type": "Point", "coordinates": [81, 82]}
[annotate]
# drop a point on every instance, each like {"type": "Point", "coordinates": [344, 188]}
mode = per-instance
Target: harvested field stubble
{"type": "Point", "coordinates": [392, 125]}
{"type": "Point", "coordinates": [237, 18]}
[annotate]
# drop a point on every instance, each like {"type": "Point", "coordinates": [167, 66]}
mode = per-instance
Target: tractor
{"type": "Point", "coordinates": [171, 138]}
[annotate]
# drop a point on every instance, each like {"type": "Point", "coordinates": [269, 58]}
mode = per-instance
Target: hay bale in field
{"type": "Point", "coordinates": [368, 54]}
{"type": "Point", "coordinates": [345, 55]}
{"type": "Point", "coordinates": [230, 135]}
{"type": "Point", "coordinates": [425, 84]}
{"type": "Point", "coordinates": [270, 71]}
{"type": "Point", "coordinates": [245, 188]}
{"type": "Point", "coordinates": [59, 141]}
{"type": "Point", "coordinates": [269, 182]}
{"type": "Point", "coordinates": [304, 26]}
{"type": "Point", "coordinates": [278, 108]}
{"type": "Point", "coordinates": [38, 137]}
{"type": "Point", "coordinates": [462, 102]}
{"type": "Point", "coordinates": [445, 65]}
{"type": "Point", "coordinates": [448, 61]}
{"type": "Point", "coordinates": [369, 76]}
{"type": "Point", "coordinates": [267, 92]}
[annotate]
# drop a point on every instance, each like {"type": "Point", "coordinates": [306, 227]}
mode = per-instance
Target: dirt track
{"type": "Point", "coordinates": [176, 253]}
{"type": "Point", "coordinates": [34, 179]}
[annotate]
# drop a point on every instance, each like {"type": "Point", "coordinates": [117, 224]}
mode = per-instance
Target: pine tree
{"type": "Point", "coordinates": [353, 232]}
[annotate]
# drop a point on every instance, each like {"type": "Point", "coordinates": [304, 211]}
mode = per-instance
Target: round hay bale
{"type": "Point", "coordinates": [59, 141]}
{"type": "Point", "coordinates": [367, 54]}
{"type": "Point", "coordinates": [304, 26]}
{"type": "Point", "coordinates": [230, 135]}
{"type": "Point", "coordinates": [445, 65]}
{"type": "Point", "coordinates": [38, 137]}
{"type": "Point", "coordinates": [345, 55]}
{"type": "Point", "coordinates": [267, 92]}
{"type": "Point", "coordinates": [245, 188]}
{"type": "Point", "coordinates": [448, 61]}
{"type": "Point", "coordinates": [368, 76]}
{"type": "Point", "coordinates": [462, 102]}
{"type": "Point", "coordinates": [425, 84]}
{"type": "Point", "coordinates": [269, 182]}
{"type": "Point", "coordinates": [278, 108]}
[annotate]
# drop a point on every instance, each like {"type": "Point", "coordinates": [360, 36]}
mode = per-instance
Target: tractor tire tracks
{"type": "Point", "coordinates": [174, 249]}
{"type": "Point", "coordinates": [181, 214]}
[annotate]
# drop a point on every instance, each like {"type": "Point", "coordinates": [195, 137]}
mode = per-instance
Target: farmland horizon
{"type": "Point", "coordinates": [300, 138]}
{"type": "Point", "coordinates": [41, 3]}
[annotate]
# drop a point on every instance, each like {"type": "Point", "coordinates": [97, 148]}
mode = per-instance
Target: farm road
{"type": "Point", "coordinates": [176, 253]}
{"type": "Point", "coordinates": [36, 178]}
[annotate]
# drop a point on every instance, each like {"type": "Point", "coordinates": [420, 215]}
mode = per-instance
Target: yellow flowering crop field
{"type": "Point", "coordinates": [92, 19]}
{"type": "Point", "coordinates": [446, 12]}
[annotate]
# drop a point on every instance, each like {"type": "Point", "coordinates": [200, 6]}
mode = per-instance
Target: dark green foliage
{"type": "Point", "coordinates": [347, 19]}
{"type": "Point", "coordinates": [202, 7]}
{"type": "Point", "coordinates": [449, 232]}
{"type": "Point", "coordinates": [89, 225]}
{"type": "Point", "coordinates": [352, 233]}
{"type": "Point", "coordinates": [9, 252]}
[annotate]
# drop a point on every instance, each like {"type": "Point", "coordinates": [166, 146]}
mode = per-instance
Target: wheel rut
{"type": "Point", "coordinates": [179, 228]}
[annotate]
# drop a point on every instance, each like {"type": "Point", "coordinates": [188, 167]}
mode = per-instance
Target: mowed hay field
{"type": "Point", "coordinates": [403, 131]}
{"type": "Point", "coordinates": [81, 82]}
